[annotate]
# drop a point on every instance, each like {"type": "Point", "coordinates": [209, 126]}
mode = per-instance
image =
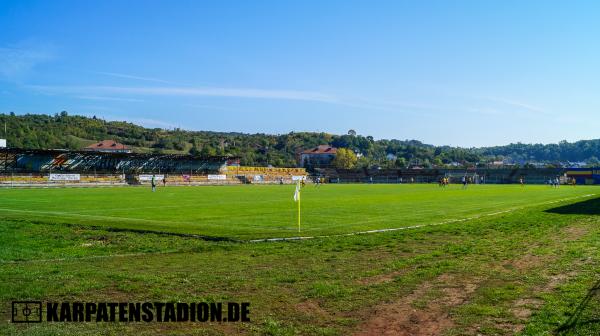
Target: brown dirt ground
{"type": "Point", "coordinates": [400, 318]}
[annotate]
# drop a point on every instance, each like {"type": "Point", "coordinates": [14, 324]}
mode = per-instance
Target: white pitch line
{"type": "Point", "coordinates": [416, 226]}
{"type": "Point", "coordinates": [59, 213]}
{"type": "Point", "coordinates": [300, 237]}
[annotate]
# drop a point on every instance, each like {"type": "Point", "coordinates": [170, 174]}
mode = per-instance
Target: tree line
{"type": "Point", "coordinates": [61, 130]}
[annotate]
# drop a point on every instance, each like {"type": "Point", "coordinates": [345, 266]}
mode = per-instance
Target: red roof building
{"type": "Point", "coordinates": [110, 146]}
{"type": "Point", "coordinates": [320, 156]}
{"type": "Point", "coordinates": [321, 149]}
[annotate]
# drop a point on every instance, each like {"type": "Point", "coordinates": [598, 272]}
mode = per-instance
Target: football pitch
{"type": "Point", "coordinates": [487, 260]}
{"type": "Point", "coordinates": [254, 212]}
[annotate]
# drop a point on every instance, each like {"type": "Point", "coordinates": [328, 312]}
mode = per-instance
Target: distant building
{"type": "Point", "coordinates": [539, 164]}
{"type": "Point", "coordinates": [2, 143]}
{"type": "Point", "coordinates": [320, 156]}
{"type": "Point", "coordinates": [109, 146]}
{"type": "Point", "coordinates": [580, 164]}
{"type": "Point", "coordinates": [583, 175]}
{"type": "Point", "coordinates": [233, 163]}
{"type": "Point", "coordinates": [507, 163]}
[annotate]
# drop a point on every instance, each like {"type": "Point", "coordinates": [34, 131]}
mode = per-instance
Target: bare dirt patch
{"type": "Point", "coordinates": [558, 279]}
{"type": "Point", "coordinates": [528, 261]}
{"type": "Point", "coordinates": [575, 232]}
{"type": "Point", "coordinates": [312, 308]}
{"type": "Point", "coordinates": [401, 318]}
{"type": "Point", "coordinates": [380, 278]}
{"type": "Point", "coordinates": [523, 308]}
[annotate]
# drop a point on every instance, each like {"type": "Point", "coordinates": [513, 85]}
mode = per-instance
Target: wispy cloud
{"type": "Point", "coordinates": [193, 92]}
{"type": "Point", "coordinates": [211, 107]}
{"type": "Point", "coordinates": [401, 104]}
{"type": "Point", "coordinates": [517, 104]}
{"type": "Point", "coordinates": [110, 98]}
{"type": "Point", "coordinates": [407, 107]}
{"type": "Point", "coordinates": [17, 61]}
{"type": "Point", "coordinates": [485, 111]}
{"type": "Point", "coordinates": [109, 93]}
{"type": "Point", "coordinates": [127, 76]}
{"type": "Point", "coordinates": [98, 108]}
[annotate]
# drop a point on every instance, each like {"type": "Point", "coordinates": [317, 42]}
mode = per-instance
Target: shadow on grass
{"type": "Point", "coordinates": [575, 321]}
{"type": "Point", "coordinates": [588, 207]}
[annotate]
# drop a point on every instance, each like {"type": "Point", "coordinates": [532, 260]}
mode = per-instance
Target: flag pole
{"type": "Point", "coordinates": [299, 200]}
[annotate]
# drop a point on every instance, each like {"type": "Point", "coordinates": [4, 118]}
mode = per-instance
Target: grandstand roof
{"type": "Point", "coordinates": [107, 145]}
{"type": "Point", "coordinates": [321, 149]}
{"type": "Point", "coordinates": [117, 154]}
{"type": "Point", "coordinates": [18, 159]}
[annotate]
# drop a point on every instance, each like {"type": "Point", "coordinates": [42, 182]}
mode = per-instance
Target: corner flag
{"type": "Point", "coordinates": [297, 200]}
{"type": "Point", "coordinates": [297, 192]}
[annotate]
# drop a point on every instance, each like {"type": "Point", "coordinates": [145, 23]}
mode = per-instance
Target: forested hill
{"type": "Point", "coordinates": [74, 132]}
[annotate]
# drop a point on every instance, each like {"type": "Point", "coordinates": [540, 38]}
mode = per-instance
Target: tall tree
{"type": "Point", "coordinates": [344, 159]}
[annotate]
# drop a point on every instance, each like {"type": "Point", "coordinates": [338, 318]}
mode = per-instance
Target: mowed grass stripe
{"type": "Point", "coordinates": [449, 221]}
{"type": "Point", "coordinates": [112, 218]}
{"type": "Point", "coordinates": [253, 212]}
{"type": "Point", "coordinates": [297, 238]}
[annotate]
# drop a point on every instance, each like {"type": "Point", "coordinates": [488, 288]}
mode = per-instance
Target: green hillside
{"type": "Point", "coordinates": [74, 132]}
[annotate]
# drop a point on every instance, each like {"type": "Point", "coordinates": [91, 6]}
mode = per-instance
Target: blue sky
{"type": "Point", "coordinates": [466, 73]}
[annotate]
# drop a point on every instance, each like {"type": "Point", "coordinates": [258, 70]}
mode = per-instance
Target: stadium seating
{"type": "Point", "coordinates": [43, 179]}
{"type": "Point", "coordinates": [264, 175]}
{"type": "Point", "coordinates": [186, 179]}
{"type": "Point", "coordinates": [493, 176]}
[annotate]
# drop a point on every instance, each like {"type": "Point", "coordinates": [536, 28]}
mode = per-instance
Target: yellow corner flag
{"type": "Point", "coordinates": [297, 200]}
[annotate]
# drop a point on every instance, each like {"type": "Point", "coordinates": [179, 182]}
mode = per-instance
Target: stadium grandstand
{"type": "Point", "coordinates": [267, 175]}
{"type": "Point", "coordinates": [35, 166]}
{"type": "Point", "coordinates": [477, 175]}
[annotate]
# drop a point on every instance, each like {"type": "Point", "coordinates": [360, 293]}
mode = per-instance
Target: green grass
{"type": "Point", "coordinates": [247, 212]}
{"type": "Point", "coordinates": [532, 270]}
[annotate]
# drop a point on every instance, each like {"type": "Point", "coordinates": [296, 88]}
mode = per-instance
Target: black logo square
{"type": "Point", "coordinates": [26, 311]}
